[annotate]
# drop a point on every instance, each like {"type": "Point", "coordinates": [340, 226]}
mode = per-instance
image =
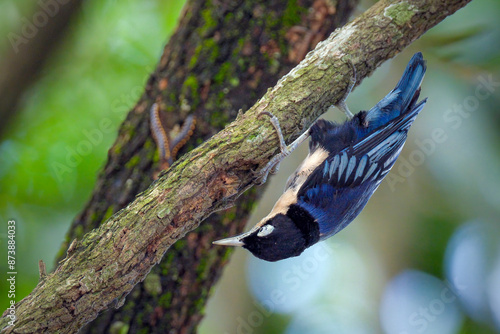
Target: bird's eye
{"type": "Point", "coordinates": [265, 230]}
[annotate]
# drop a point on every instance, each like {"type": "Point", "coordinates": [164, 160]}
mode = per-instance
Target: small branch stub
{"type": "Point", "coordinates": [42, 270]}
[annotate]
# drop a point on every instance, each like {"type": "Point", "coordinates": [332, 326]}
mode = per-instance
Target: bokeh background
{"type": "Point", "coordinates": [424, 255]}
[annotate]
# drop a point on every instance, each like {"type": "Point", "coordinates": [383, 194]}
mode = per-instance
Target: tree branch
{"type": "Point", "coordinates": [110, 260]}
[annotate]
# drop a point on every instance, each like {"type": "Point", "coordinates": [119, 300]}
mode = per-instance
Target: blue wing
{"type": "Point", "coordinates": [335, 193]}
{"type": "Point", "coordinates": [361, 153]}
{"type": "Point", "coordinates": [400, 100]}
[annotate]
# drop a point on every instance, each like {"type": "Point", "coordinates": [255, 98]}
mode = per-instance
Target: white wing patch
{"type": "Point", "coordinates": [370, 159]}
{"type": "Point", "coordinates": [342, 168]}
{"type": "Point", "coordinates": [387, 145]}
{"type": "Point", "coordinates": [370, 171]}
{"type": "Point", "coordinates": [334, 166]}
{"type": "Point", "coordinates": [361, 167]}
{"type": "Point", "coordinates": [343, 164]}
{"type": "Point", "coordinates": [372, 165]}
{"type": "Point", "coordinates": [350, 167]}
{"type": "Point", "coordinates": [393, 157]}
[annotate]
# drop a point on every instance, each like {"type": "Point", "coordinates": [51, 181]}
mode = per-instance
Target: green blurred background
{"type": "Point", "coordinates": [423, 257]}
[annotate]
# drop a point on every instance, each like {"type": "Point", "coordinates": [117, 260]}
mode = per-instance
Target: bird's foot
{"type": "Point", "coordinates": [273, 165]}
{"type": "Point", "coordinates": [341, 105]}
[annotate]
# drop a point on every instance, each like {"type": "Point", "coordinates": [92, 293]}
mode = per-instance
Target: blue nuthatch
{"type": "Point", "coordinates": [345, 165]}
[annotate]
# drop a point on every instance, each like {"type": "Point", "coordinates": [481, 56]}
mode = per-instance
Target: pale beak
{"type": "Point", "coordinates": [234, 241]}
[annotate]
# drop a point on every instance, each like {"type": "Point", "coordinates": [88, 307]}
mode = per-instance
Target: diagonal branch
{"type": "Point", "coordinates": [110, 260]}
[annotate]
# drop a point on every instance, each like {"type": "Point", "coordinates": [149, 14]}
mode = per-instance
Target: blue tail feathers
{"type": "Point", "coordinates": [402, 98]}
{"type": "Point", "coordinates": [409, 84]}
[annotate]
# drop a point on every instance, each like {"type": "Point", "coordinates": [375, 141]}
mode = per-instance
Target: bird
{"type": "Point", "coordinates": [345, 165]}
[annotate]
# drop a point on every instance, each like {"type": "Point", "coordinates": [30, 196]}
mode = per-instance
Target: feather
{"type": "Point", "coordinates": [361, 153]}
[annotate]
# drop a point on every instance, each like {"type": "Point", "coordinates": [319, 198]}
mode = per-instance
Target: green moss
{"type": "Point", "coordinates": [199, 305]}
{"type": "Point", "coordinates": [94, 216]}
{"type": "Point", "coordinates": [134, 161]}
{"type": "Point", "coordinates": [191, 82]}
{"type": "Point", "coordinates": [179, 244]}
{"type": "Point", "coordinates": [274, 65]}
{"type": "Point", "coordinates": [167, 258]}
{"type": "Point", "coordinates": [109, 212]}
{"type": "Point", "coordinates": [131, 132]}
{"type": "Point", "coordinates": [292, 14]}
{"type": "Point", "coordinates": [229, 215]}
{"type": "Point", "coordinates": [152, 284]}
{"type": "Point", "coordinates": [252, 136]}
{"type": "Point", "coordinates": [401, 13]}
{"type": "Point", "coordinates": [139, 318]}
{"type": "Point", "coordinates": [204, 228]}
{"type": "Point", "coordinates": [119, 327]}
{"type": "Point", "coordinates": [148, 144]}
{"type": "Point", "coordinates": [224, 73]}
{"type": "Point", "coordinates": [117, 149]}
{"type": "Point", "coordinates": [195, 57]}
{"type": "Point", "coordinates": [227, 254]}
{"type": "Point", "coordinates": [228, 18]}
{"type": "Point", "coordinates": [276, 26]}
{"type": "Point", "coordinates": [164, 212]}
{"type": "Point", "coordinates": [165, 299]}
{"type": "Point", "coordinates": [108, 272]}
{"type": "Point", "coordinates": [206, 52]}
{"type": "Point", "coordinates": [235, 53]}
{"type": "Point", "coordinates": [210, 22]}
{"type": "Point", "coordinates": [78, 231]}
{"type": "Point", "coordinates": [190, 87]}
{"type": "Point", "coordinates": [219, 118]}
{"type": "Point", "coordinates": [210, 46]}
{"type": "Point", "coordinates": [127, 309]}
{"type": "Point", "coordinates": [156, 156]}
{"type": "Point", "coordinates": [234, 81]}
{"type": "Point", "coordinates": [250, 205]}
{"type": "Point", "coordinates": [202, 268]}
{"type": "Point", "coordinates": [173, 100]}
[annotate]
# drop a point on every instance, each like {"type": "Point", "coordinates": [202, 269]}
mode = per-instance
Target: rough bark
{"type": "Point", "coordinates": [104, 266]}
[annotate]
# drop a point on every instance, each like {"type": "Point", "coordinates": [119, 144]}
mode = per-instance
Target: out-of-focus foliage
{"type": "Point", "coordinates": [422, 257]}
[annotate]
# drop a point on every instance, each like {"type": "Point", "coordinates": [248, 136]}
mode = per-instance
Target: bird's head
{"type": "Point", "coordinates": [276, 239]}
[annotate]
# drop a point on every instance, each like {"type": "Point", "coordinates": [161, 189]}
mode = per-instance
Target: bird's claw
{"type": "Point", "coordinates": [274, 164]}
{"type": "Point", "coordinates": [341, 105]}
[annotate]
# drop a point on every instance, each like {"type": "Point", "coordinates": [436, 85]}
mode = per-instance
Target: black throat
{"type": "Point", "coordinates": [305, 223]}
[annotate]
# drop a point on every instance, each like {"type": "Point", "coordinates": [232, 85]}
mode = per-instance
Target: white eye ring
{"type": "Point", "coordinates": [265, 230]}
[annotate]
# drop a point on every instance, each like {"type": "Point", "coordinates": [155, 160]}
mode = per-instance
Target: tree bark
{"type": "Point", "coordinates": [220, 60]}
{"type": "Point", "coordinates": [105, 265]}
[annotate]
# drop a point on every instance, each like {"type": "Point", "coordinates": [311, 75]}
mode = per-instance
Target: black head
{"type": "Point", "coordinates": [283, 236]}
{"type": "Point", "coordinates": [279, 237]}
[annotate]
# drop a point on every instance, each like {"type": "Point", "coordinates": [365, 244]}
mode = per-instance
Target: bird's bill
{"type": "Point", "coordinates": [234, 241]}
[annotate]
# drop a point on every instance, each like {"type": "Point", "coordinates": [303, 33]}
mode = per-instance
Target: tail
{"type": "Point", "coordinates": [403, 97]}
{"type": "Point", "coordinates": [409, 84]}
